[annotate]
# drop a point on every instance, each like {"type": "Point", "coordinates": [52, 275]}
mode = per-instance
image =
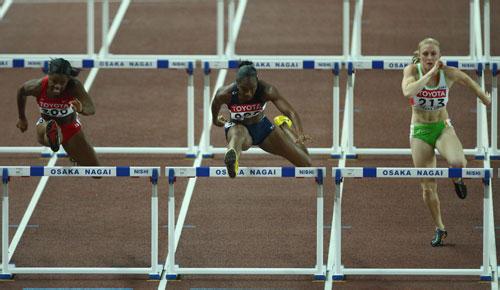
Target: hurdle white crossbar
{"type": "Point", "coordinates": [8, 270]}
{"type": "Point", "coordinates": [173, 270]}
{"type": "Point", "coordinates": [485, 271]}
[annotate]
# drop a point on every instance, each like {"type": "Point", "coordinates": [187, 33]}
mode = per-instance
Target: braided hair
{"type": "Point", "coordinates": [61, 66]}
{"type": "Point", "coordinates": [246, 69]}
{"type": "Point", "coordinates": [416, 54]}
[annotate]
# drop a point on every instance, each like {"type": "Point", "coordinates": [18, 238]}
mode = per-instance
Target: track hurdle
{"type": "Point", "coordinates": [398, 63]}
{"type": "Point", "coordinates": [173, 270]}
{"type": "Point", "coordinates": [485, 271]}
{"type": "Point", "coordinates": [332, 63]}
{"type": "Point", "coordinates": [119, 62]}
{"type": "Point", "coordinates": [357, 61]}
{"type": "Point", "coordinates": [8, 270]}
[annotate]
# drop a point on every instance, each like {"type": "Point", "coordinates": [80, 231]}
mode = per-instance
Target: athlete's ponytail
{"type": "Point", "coordinates": [246, 69]}
{"type": "Point", "coordinates": [416, 57]}
{"type": "Point", "coordinates": [61, 66]}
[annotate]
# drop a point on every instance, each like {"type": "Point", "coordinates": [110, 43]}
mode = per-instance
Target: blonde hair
{"type": "Point", "coordinates": [416, 54]}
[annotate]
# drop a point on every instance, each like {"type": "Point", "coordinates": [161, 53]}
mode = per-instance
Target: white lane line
{"type": "Point", "coordinates": [192, 181]}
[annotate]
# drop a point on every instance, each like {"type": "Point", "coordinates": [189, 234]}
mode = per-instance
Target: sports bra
{"type": "Point", "coordinates": [240, 111]}
{"type": "Point", "coordinates": [54, 107]}
{"type": "Point", "coordinates": [431, 99]}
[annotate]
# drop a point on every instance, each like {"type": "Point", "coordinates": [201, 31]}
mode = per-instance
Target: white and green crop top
{"type": "Point", "coordinates": [431, 99]}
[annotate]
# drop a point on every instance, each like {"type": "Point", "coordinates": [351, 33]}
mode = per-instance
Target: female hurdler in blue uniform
{"type": "Point", "coordinates": [426, 84]}
{"type": "Point", "coordinates": [246, 99]}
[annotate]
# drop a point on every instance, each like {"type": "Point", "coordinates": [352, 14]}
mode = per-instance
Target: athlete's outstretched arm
{"type": "Point", "coordinates": [286, 109]}
{"type": "Point", "coordinates": [29, 88]}
{"type": "Point", "coordinates": [84, 105]}
{"type": "Point", "coordinates": [221, 97]}
{"type": "Point", "coordinates": [462, 78]}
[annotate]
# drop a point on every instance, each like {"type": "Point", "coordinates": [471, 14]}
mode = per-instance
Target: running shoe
{"type": "Point", "coordinates": [439, 237]}
{"type": "Point", "coordinates": [460, 189]}
{"type": "Point", "coordinates": [52, 132]}
{"type": "Point", "coordinates": [279, 120]}
{"type": "Point", "coordinates": [231, 162]}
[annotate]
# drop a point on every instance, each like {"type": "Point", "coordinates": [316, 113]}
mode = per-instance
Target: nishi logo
{"type": "Point", "coordinates": [141, 171]}
{"type": "Point", "coordinates": [473, 172]}
{"type": "Point", "coordinates": [306, 171]}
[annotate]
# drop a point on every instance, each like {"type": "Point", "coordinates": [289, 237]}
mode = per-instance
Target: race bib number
{"type": "Point", "coordinates": [57, 112]}
{"type": "Point", "coordinates": [244, 115]}
{"type": "Point", "coordinates": [431, 104]}
{"type": "Point", "coordinates": [240, 112]}
{"type": "Point", "coordinates": [430, 100]}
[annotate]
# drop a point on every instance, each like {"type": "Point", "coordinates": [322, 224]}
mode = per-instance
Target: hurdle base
{"type": "Point", "coordinates": [6, 277]}
{"type": "Point", "coordinates": [351, 156]}
{"type": "Point", "coordinates": [319, 278]}
{"type": "Point", "coordinates": [46, 155]}
{"type": "Point", "coordinates": [208, 155]}
{"type": "Point", "coordinates": [338, 278]}
{"type": "Point", "coordinates": [154, 277]}
{"type": "Point", "coordinates": [485, 278]}
{"type": "Point", "coordinates": [172, 277]}
{"type": "Point", "coordinates": [191, 155]}
{"type": "Point", "coordinates": [479, 157]}
{"type": "Point", "coordinates": [336, 156]}
{"type": "Point", "coordinates": [494, 157]}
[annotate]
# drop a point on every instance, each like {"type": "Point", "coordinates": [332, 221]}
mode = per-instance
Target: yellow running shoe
{"type": "Point", "coordinates": [279, 120]}
{"type": "Point", "coordinates": [231, 161]}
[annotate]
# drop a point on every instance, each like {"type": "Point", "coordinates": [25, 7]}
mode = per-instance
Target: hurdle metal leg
{"type": "Point", "coordinates": [337, 153]}
{"type": "Point", "coordinates": [349, 111]}
{"type": "Point", "coordinates": [480, 117]}
{"type": "Point", "coordinates": [337, 233]}
{"type": "Point", "coordinates": [205, 150]}
{"type": "Point", "coordinates": [191, 152]}
{"type": "Point", "coordinates": [495, 154]}
{"type": "Point", "coordinates": [320, 274]}
{"type": "Point", "coordinates": [171, 275]}
{"type": "Point", "coordinates": [155, 267]}
{"type": "Point", "coordinates": [5, 226]}
{"type": "Point", "coordinates": [486, 274]}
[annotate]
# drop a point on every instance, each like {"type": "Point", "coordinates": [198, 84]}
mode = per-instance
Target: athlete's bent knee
{"type": "Point", "coordinates": [429, 193]}
{"type": "Point", "coordinates": [305, 162]}
{"type": "Point", "coordinates": [458, 162]}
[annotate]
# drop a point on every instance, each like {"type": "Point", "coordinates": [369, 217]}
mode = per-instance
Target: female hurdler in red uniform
{"type": "Point", "coordinates": [60, 98]}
